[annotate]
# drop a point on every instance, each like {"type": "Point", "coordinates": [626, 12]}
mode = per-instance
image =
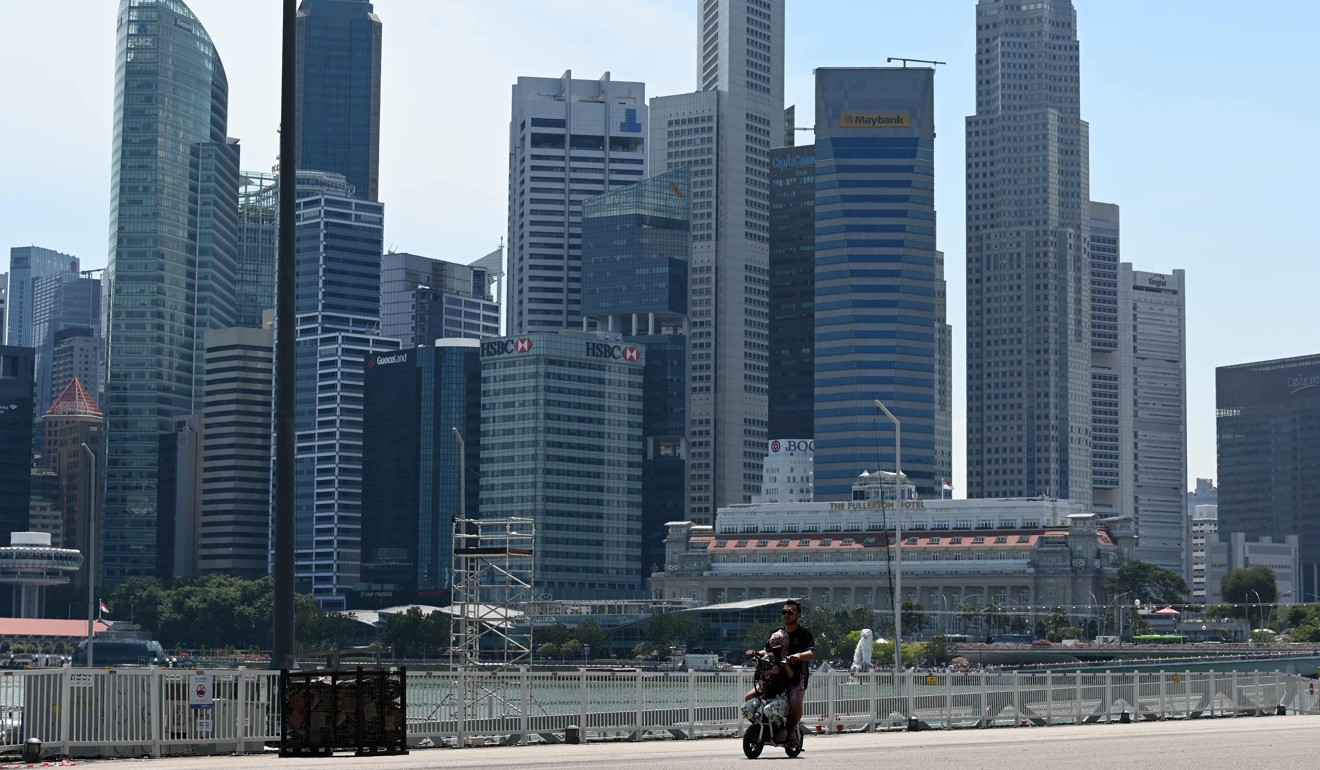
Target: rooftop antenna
{"type": "Point", "coordinates": [905, 61]}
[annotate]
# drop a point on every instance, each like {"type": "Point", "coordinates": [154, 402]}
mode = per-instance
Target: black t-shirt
{"type": "Point", "coordinates": [800, 640]}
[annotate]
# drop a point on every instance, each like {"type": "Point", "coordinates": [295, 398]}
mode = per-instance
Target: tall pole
{"type": "Point", "coordinates": [91, 555]}
{"type": "Point", "coordinates": [285, 424]}
{"type": "Point", "coordinates": [898, 538]}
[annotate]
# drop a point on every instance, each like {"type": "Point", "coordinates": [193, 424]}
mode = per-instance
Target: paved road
{"type": "Point", "coordinates": [1257, 743]}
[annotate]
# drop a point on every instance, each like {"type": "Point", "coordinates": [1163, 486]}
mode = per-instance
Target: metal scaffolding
{"type": "Point", "coordinates": [492, 591]}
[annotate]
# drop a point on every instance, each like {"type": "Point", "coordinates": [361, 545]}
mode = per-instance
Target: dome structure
{"type": "Point", "coordinates": [30, 563]}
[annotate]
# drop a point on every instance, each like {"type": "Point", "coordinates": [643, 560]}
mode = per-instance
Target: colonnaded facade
{"type": "Point", "coordinates": [1006, 552]}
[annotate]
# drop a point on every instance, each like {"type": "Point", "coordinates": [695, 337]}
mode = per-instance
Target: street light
{"type": "Point", "coordinates": [1092, 607]}
{"type": "Point", "coordinates": [898, 537]}
{"type": "Point", "coordinates": [1119, 606]}
{"type": "Point", "coordinates": [1246, 611]}
{"type": "Point", "coordinates": [91, 554]}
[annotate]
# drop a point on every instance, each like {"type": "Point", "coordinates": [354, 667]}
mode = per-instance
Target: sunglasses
{"type": "Point", "coordinates": [788, 612]}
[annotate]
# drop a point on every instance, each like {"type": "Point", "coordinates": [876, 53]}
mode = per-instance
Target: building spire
{"type": "Point", "coordinates": [75, 401]}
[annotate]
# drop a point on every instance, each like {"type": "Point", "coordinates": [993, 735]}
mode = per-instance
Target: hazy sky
{"type": "Point", "coordinates": [1204, 122]}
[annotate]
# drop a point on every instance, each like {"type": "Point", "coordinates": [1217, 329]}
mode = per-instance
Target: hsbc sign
{"type": "Point", "coordinates": [505, 347]}
{"type": "Point", "coordinates": [614, 352]}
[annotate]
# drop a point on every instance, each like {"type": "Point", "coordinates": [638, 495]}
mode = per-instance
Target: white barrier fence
{"type": "Point", "coordinates": [136, 712]}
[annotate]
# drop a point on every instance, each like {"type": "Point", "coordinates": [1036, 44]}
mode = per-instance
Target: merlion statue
{"type": "Point", "coordinates": [862, 655]}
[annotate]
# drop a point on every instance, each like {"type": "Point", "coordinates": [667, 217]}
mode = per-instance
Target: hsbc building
{"type": "Point", "coordinates": [561, 421]}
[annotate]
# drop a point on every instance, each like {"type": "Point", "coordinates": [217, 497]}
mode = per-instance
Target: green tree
{"type": "Point", "coordinates": [683, 629]}
{"type": "Point", "coordinates": [1255, 585]}
{"type": "Point", "coordinates": [969, 617]}
{"type": "Point", "coordinates": [138, 599]}
{"type": "Point", "coordinates": [915, 619]}
{"type": "Point", "coordinates": [938, 650]}
{"type": "Point", "coordinates": [588, 633]}
{"type": "Point", "coordinates": [1057, 626]}
{"type": "Point", "coordinates": [412, 634]}
{"type": "Point", "coordinates": [1147, 582]}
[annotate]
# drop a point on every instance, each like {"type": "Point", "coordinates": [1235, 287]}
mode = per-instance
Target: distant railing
{"type": "Point", "coordinates": [136, 711]}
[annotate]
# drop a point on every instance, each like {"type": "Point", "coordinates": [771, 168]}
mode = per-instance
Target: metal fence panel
{"type": "Point", "coordinates": [107, 712]}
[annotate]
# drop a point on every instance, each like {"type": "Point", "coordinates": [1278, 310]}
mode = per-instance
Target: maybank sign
{"type": "Point", "coordinates": [870, 120]}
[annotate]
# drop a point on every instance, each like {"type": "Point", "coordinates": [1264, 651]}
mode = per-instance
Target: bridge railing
{"type": "Point", "coordinates": [137, 711]}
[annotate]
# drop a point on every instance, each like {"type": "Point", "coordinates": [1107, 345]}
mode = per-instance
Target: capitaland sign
{"type": "Point", "coordinates": [865, 505]}
{"type": "Point", "coordinates": [506, 347]}
{"type": "Point", "coordinates": [397, 358]}
{"type": "Point", "coordinates": [1302, 382]}
{"type": "Point", "coordinates": [793, 161]}
{"type": "Point", "coordinates": [613, 352]}
{"type": "Point", "coordinates": [872, 120]}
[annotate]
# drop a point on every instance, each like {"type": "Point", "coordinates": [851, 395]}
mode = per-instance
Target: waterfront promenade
{"type": "Point", "coordinates": [1258, 743]}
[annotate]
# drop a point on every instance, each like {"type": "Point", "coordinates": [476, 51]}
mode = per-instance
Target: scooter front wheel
{"type": "Point", "coordinates": [753, 741]}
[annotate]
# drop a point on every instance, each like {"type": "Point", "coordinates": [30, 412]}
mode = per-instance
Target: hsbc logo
{"type": "Point", "coordinates": [505, 347]}
{"type": "Point", "coordinates": [613, 352]}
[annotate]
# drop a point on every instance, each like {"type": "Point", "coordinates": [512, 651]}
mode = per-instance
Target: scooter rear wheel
{"type": "Point", "coordinates": [794, 745]}
{"type": "Point", "coordinates": [753, 741]}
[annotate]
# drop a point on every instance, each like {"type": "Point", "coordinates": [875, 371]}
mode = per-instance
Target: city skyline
{"type": "Point", "coordinates": [1158, 88]}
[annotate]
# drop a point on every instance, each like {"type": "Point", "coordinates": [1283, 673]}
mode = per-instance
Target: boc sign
{"type": "Point", "coordinates": [791, 445]}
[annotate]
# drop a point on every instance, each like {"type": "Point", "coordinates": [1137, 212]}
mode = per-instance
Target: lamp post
{"type": "Point", "coordinates": [91, 553]}
{"type": "Point", "coordinates": [898, 538]}
{"type": "Point", "coordinates": [1246, 611]}
{"type": "Point", "coordinates": [1119, 607]}
{"type": "Point", "coordinates": [1092, 607]}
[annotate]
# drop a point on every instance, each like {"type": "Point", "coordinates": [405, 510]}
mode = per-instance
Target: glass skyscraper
{"type": "Point", "coordinates": [792, 292]}
{"type": "Point", "coordinates": [26, 265]}
{"type": "Point", "coordinates": [173, 230]}
{"type": "Point", "coordinates": [1267, 419]}
{"type": "Point", "coordinates": [724, 132]}
{"type": "Point", "coordinates": [337, 252]}
{"type": "Point", "coordinates": [423, 299]}
{"type": "Point", "coordinates": [635, 246]}
{"type": "Point", "coordinates": [61, 301]}
{"type": "Point", "coordinates": [414, 400]}
{"type": "Point", "coordinates": [879, 301]}
{"type": "Point", "coordinates": [561, 443]}
{"type": "Point", "coordinates": [338, 111]}
{"type": "Point", "coordinates": [569, 139]}
{"type": "Point", "coordinates": [1028, 277]}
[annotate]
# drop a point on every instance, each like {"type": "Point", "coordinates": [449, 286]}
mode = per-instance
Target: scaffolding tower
{"type": "Point", "coordinates": [492, 593]}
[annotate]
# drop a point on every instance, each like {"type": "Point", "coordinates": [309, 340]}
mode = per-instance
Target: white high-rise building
{"type": "Point", "coordinates": [723, 133]}
{"type": "Point", "coordinates": [568, 141]}
{"type": "Point", "coordinates": [1152, 334]}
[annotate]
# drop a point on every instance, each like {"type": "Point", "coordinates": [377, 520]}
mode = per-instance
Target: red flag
{"type": "Point", "coordinates": [104, 609]}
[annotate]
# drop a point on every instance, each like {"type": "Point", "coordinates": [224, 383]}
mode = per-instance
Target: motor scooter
{"type": "Point", "coordinates": [767, 716]}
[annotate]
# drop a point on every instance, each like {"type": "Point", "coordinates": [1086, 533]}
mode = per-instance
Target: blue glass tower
{"type": "Point", "coordinates": [792, 292]}
{"type": "Point", "coordinates": [338, 112]}
{"type": "Point", "coordinates": [635, 247]}
{"type": "Point", "coordinates": [414, 400]}
{"type": "Point", "coordinates": [173, 235]}
{"type": "Point", "coordinates": [337, 252]}
{"type": "Point", "coordinates": [26, 265]}
{"type": "Point", "coordinates": [879, 279]}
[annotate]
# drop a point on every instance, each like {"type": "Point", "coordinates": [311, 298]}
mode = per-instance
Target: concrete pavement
{"type": "Point", "coordinates": [1258, 743]}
